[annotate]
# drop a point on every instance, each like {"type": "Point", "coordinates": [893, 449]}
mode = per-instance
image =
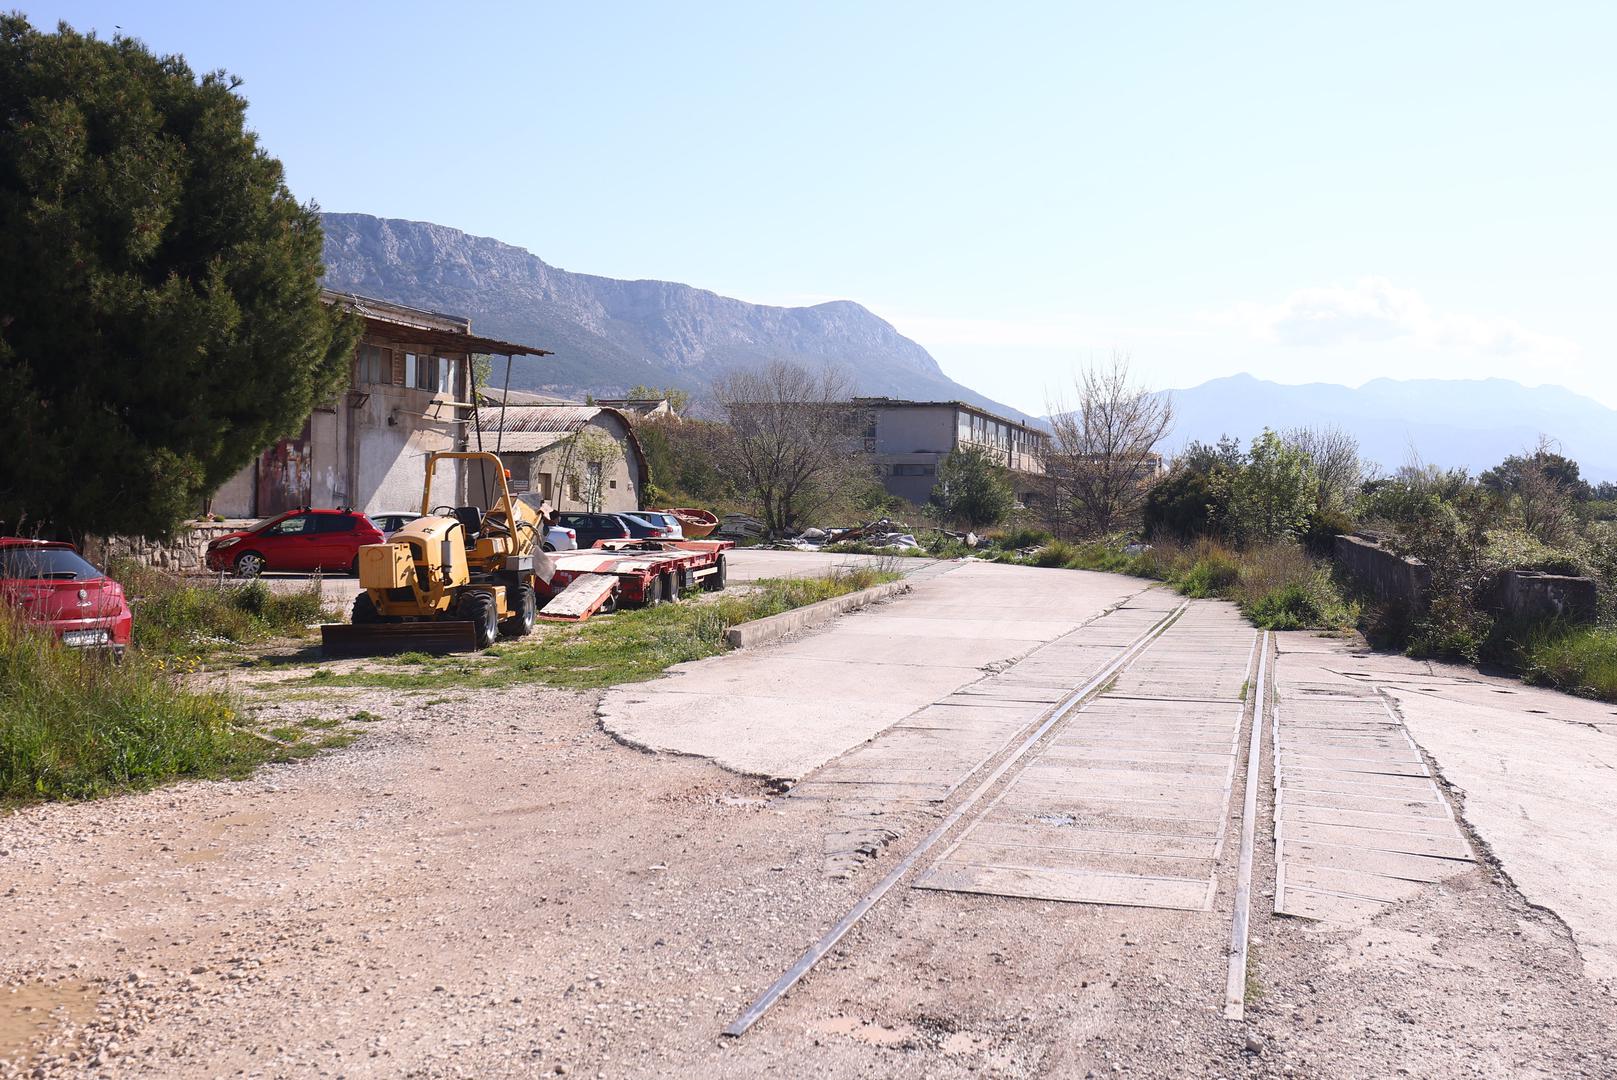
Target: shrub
{"type": "Point", "coordinates": [177, 616]}
{"type": "Point", "coordinates": [1212, 574]}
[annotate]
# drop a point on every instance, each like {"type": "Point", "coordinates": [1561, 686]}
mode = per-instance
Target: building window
{"type": "Point", "coordinates": [373, 365]}
{"type": "Point", "coordinates": [445, 368]}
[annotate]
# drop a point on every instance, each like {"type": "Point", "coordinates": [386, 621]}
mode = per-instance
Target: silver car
{"type": "Point", "coordinates": [676, 531]}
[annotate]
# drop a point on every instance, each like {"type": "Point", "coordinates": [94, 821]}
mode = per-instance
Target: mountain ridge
{"type": "Point", "coordinates": [609, 334]}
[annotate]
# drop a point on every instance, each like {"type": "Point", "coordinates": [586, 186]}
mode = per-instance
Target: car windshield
{"type": "Point", "coordinates": [58, 564]}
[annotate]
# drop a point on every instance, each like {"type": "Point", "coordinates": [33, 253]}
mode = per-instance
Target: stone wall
{"type": "Point", "coordinates": [1529, 596]}
{"type": "Point", "coordinates": [182, 555]}
{"type": "Point", "coordinates": [1520, 595]}
{"type": "Point", "coordinates": [1389, 577]}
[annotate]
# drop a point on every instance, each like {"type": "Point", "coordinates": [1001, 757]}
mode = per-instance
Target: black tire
{"type": "Point", "coordinates": [353, 567]}
{"type": "Point", "coordinates": [479, 608]}
{"type": "Point", "coordinates": [714, 582]}
{"type": "Point", "coordinates": [365, 613]}
{"type": "Point", "coordinates": [549, 546]}
{"type": "Point", "coordinates": [655, 593]}
{"type": "Point", "coordinates": [520, 624]}
{"type": "Point", "coordinates": [671, 586]}
{"type": "Point", "coordinates": [249, 564]}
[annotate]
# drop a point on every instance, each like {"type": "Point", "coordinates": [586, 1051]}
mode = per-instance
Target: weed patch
{"type": "Point", "coordinates": [629, 646]}
{"type": "Point", "coordinates": [76, 725]}
{"type": "Point", "coordinates": [177, 617]}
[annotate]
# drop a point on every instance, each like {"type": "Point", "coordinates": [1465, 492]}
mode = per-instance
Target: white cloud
{"type": "Point", "coordinates": [1374, 311]}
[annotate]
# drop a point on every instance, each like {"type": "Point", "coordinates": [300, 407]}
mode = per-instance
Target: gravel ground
{"type": "Point", "coordinates": [490, 886]}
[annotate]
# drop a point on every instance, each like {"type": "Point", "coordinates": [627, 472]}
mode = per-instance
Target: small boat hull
{"type": "Point", "coordinates": [695, 523]}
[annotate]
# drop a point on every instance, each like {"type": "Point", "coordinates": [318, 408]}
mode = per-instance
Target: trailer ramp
{"type": "Point", "coordinates": [584, 596]}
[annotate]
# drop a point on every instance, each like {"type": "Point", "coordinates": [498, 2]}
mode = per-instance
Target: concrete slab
{"type": "Point", "coordinates": [786, 709]}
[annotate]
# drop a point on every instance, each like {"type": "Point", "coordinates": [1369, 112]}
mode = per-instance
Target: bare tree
{"type": "Point", "coordinates": [1338, 469]}
{"type": "Point", "coordinates": [1102, 455]}
{"type": "Point", "coordinates": [793, 439]}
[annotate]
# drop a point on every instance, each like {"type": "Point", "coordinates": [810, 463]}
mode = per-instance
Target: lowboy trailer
{"type": "Point", "coordinates": [630, 573]}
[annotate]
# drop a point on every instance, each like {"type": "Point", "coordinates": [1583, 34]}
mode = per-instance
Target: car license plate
{"type": "Point", "coordinates": [83, 638]}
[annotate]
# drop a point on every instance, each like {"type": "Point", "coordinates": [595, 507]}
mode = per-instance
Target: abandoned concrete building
{"type": "Point", "coordinates": [576, 456]}
{"type": "Point", "coordinates": [409, 395]}
{"type": "Point", "coordinates": [907, 439]}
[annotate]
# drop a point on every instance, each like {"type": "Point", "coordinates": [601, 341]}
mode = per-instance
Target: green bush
{"type": "Point", "coordinates": [1211, 575]}
{"type": "Point", "coordinates": [175, 616]}
{"type": "Point", "coordinates": [1023, 536]}
{"type": "Point", "coordinates": [76, 725]}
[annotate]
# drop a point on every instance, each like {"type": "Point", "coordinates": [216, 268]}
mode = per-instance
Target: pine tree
{"type": "Point", "coordinates": [160, 314]}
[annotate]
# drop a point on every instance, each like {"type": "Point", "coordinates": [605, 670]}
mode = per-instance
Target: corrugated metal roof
{"type": "Point", "coordinates": [564, 419]}
{"type": "Point", "coordinates": [521, 442]}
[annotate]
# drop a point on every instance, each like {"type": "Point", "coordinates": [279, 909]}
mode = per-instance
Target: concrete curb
{"type": "Point", "coordinates": [774, 627]}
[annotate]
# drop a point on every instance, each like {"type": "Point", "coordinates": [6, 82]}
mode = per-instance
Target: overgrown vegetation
{"type": "Point", "coordinates": [629, 646]}
{"type": "Point", "coordinates": [75, 725]}
{"type": "Point", "coordinates": [1278, 587]}
{"type": "Point", "coordinates": [185, 617]}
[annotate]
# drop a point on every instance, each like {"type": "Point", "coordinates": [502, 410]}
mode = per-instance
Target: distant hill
{"type": "Point", "coordinates": [1472, 423]}
{"type": "Point", "coordinates": [609, 335]}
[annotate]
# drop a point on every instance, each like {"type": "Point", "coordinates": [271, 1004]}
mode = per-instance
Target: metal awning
{"type": "Point", "coordinates": [452, 341]}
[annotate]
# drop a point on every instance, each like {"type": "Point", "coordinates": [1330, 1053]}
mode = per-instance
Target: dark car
{"type": "Point", "coordinates": [642, 528]}
{"type": "Point", "coordinates": [302, 540]}
{"type": "Point", "coordinates": [593, 527]}
{"type": "Point", "coordinates": [51, 583]}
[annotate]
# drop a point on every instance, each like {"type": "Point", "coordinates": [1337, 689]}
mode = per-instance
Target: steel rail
{"type": "Point", "coordinates": [825, 944]}
{"type": "Point", "coordinates": [1235, 985]}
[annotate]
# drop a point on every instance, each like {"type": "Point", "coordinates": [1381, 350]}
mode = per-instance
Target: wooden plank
{"type": "Point", "coordinates": [1386, 863]}
{"type": "Point", "coordinates": [1453, 846]}
{"type": "Point", "coordinates": [1344, 881]}
{"type": "Point", "coordinates": [1322, 906]}
{"type": "Point", "coordinates": [582, 598]}
{"type": "Point", "coordinates": [1286, 811]}
{"type": "Point", "coordinates": [1017, 830]}
{"type": "Point", "coordinates": [1034, 857]}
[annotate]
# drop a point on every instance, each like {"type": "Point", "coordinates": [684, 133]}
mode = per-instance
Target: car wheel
{"type": "Point", "coordinates": [520, 624]}
{"type": "Point", "coordinates": [353, 567]}
{"type": "Point", "coordinates": [249, 564]}
{"type": "Point", "coordinates": [549, 546]}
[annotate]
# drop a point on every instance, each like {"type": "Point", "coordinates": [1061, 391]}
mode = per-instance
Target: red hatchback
{"type": "Point", "coordinates": [303, 540]}
{"type": "Point", "coordinates": [51, 583]}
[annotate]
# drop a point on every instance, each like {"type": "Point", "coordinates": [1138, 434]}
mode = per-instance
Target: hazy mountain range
{"type": "Point", "coordinates": [1473, 423]}
{"type": "Point", "coordinates": [609, 335]}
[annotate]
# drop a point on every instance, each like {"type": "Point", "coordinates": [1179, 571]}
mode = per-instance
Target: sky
{"type": "Point", "coordinates": [1305, 192]}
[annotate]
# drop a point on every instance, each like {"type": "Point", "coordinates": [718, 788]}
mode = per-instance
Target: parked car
{"type": "Point", "coordinates": [590, 528]}
{"type": "Point", "coordinates": [641, 528]}
{"type": "Point", "coordinates": [52, 583]}
{"type": "Point", "coordinates": [676, 531]}
{"type": "Point", "coordinates": [560, 538]}
{"type": "Point", "coordinates": [301, 540]}
{"type": "Point", "coordinates": [391, 521]}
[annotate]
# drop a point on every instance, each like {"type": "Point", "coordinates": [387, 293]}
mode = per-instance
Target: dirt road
{"type": "Point", "coordinates": [487, 884]}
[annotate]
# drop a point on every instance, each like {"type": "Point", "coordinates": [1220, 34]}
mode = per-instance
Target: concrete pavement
{"type": "Point", "coordinates": [1535, 771]}
{"type": "Point", "coordinates": [784, 710]}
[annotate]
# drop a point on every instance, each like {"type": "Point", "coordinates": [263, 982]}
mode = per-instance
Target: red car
{"type": "Point", "coordinates": [51, 583]}
{"type": "Point", "coordinates": [304, 540]}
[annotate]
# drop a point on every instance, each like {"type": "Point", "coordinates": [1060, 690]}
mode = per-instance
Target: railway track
{"type": "Point", "coordinates": [1135, 767]}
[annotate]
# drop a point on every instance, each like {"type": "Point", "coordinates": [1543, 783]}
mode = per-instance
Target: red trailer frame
{"type": "Point", "coordinates": [640, 572]}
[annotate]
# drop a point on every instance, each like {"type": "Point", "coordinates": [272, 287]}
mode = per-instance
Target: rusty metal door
{"type": "Point", "coordinates": [284, 479]}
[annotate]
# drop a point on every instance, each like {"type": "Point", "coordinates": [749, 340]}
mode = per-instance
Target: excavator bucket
{"type": "Point", "coordinates": [435, 637]}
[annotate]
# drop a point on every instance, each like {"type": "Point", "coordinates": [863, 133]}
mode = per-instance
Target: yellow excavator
{"type": "Point", "coordinates": [453, 580]}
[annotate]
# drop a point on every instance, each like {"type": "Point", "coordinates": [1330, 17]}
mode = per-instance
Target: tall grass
{"type": "Point", "coordinates": [1579, 660]}
{"type": "Point", "coordinates": [1278, 587]}
{"type": "Point", "coordinates": [178, 616]}
{"type": "Point", "coordinates": [75, 725]}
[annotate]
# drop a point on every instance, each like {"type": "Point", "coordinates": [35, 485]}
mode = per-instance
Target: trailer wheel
{"type": "Point", "coordinates": [714, 582]}
{"type": "Point", "coordinates": [670, 580]}
{"type": "Point", "coordinates": [479, 608]}
{"type": "Point", "coordinates": [655, 593]}
{"type": "Point", "coordinates": [520, 624]}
